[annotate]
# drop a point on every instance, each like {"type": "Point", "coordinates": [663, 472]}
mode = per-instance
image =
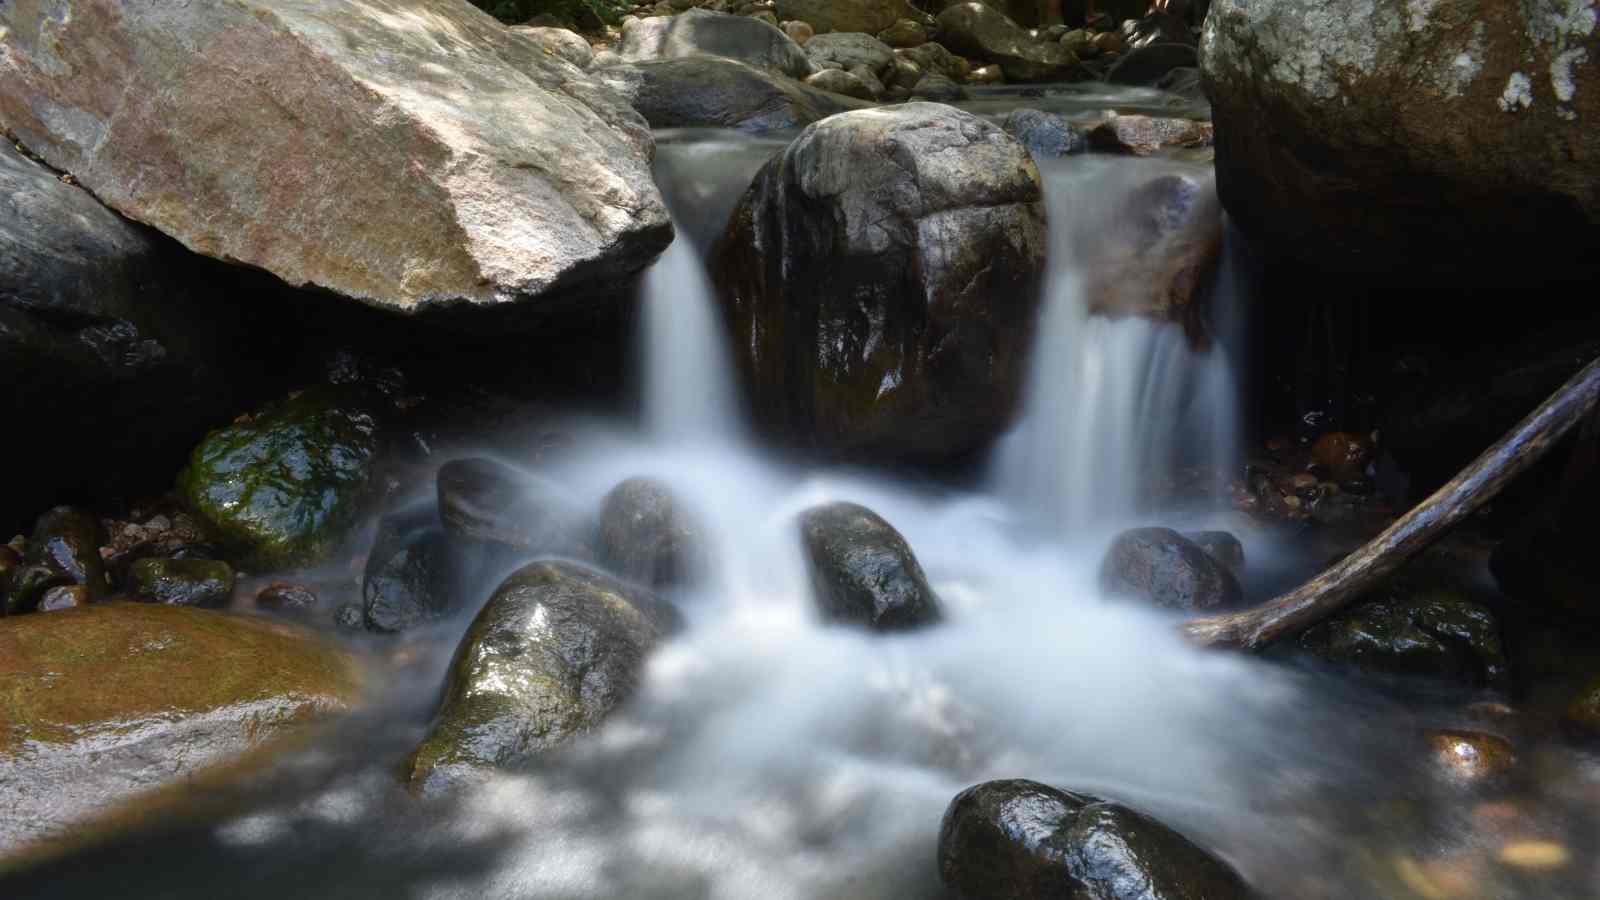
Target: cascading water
{"type": "Point", "coordinates": [689, 387]}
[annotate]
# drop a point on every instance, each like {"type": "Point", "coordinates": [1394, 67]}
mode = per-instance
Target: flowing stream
{"type": "Point", "coordinates": [770, 756]}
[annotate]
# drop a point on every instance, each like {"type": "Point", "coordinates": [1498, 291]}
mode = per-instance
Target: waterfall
{"type": "Point", "coordinates": [689, 390]}
{"type": "Point", "coordinates": [1112, 404]}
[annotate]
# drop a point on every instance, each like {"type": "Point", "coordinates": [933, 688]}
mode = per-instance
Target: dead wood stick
{"type": "Point", "coordinates": [1524, 445]}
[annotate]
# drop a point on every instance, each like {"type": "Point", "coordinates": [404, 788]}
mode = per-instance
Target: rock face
{"type": "Point", "coordinates": [1414, 627]}
{"type": "Point", "coordinates": [192, 688]}
{"type": "Point", "coordinates": [1378, 135]}
{"type": "Point", "coordinates": [981, 31]}
{"type": "Point", "coordinates": [442, 162]}
{"type": "Point", "coordinates": [647, 536]}
{"type": "Point", "coordinates": [880, 278]}
{"type": "Point", "coordinates": [557, 648]}
{"type": "Point", "coordinates": [862, 571]}
{"type": "Point", "coordinates": [1167, 570]}
{"type": "Point", "coordinates": [866, 16]}
{"type": "Point", "coordinates": [281, 488]}
{"type": "Point", "coordinates": [100, 333]}
{"type": "Point", "coordinates": [700, 32]}
{"type": "Point", "coordinates": [1021, 840]}
{"type": "Point", "coordinates": [707, 91]}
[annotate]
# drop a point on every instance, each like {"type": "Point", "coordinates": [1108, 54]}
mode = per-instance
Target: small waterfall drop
{"type": "Point", "coordinates": [689, 391]}
{"type": "Point", "coordinates": [1114, 403]}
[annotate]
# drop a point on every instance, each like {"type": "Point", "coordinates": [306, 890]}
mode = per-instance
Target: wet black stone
{"type": "Point", "coordinates": [1222, 547]}
{"type": "Point", "coordinates": [411, 575]}
{"type": "Point", "coordinates": [863, 571]}
{"type": "Point", "coordinates": [1021, 840]}
{"type": "Point", "coordinates": [1168, 570]}
{"type": "Point", "coordinates": [646, 535]}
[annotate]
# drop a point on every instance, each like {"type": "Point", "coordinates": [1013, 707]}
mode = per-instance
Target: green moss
{"type": "Point", "coordinates": [281, 488]}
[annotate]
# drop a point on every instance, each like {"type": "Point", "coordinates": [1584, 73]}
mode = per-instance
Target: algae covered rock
{"type": "Point", "coordinates": [281, 487]}
{"type": "Point", "coordinates": [553, 652]}
{"type": "Point", "coordinates": [100, 703]}
{"type": "Point", "coordinates": [182, 582]}
{"type": "Point", "coordinates": [863, 571]}
{"type": "Point", "coordinates": [1021, 840]}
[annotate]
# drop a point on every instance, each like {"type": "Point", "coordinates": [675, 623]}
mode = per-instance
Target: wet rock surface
{"type": "Point", "coordinates": [1021, 840]}
{"type": "Point", "coordinates": [1147, 136]}
{"type": "Point", "coordinates": [490, 503]}
{"type": "Point", "coordinates": [182, 582]}
{"type": "Point", "coordinates": [699, 32]}
{"type": "Point", "coordinates": [556, 649]}
{"type": "Point", "coordinates": [1163, 568]}
{"type": "Point", "coordinates": [63, 550]}
{"type": "Point", "coordinates": [880, 278]}
{"type": "Point", "coordinates": [411, 575]}
{"type": "Point", "coordinates": [439, 138]}
{"type": "Point", "coordinates": [281, 487]}
{"type": "Point", "coordinates": [862, 570]}
{"type": "Point", "coordinates": [288, 598]}
{"type": "Point", "coordinates": [1222, 547]}
{"type": "Point", "coordinates": [1470, 755]}
{"type": "Point", "coordinates": [647, 536]}
{"type": "Point", "coordinates": [193, 688]}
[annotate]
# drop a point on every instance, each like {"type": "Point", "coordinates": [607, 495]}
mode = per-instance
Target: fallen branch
{"type": "Point", "coordinates": [1524, 445]}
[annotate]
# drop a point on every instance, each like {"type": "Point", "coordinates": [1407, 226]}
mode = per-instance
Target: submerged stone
{"type": "Point", "coordinates": [484, 501]}
{"type": "Point", "coordinates": [411, 575]}
{"type": "Point", "coordinates": [1222, 547]}
{"type": "Point", "coordinates": [862, 570]}
{"type": "Point", "coordinates": [553, 652]}
{"type": "Point", "coordinates": [282, 487]}
{"type": "Point", "coordinates": [1470, 755]}
{"type": "Point", "coordinates": [647, 536]}
{"type": "Point", "coordinates": [104, 702]}
{"type": "Point", "coordinates": [1021, 840]}
{"type": "Point", "coordinates": [1167, 570]}
{"type": "Point", "coordinates": [182, 582]}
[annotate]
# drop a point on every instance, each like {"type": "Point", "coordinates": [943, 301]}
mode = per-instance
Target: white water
{"type": "Point", "coordinates": [690, 392]}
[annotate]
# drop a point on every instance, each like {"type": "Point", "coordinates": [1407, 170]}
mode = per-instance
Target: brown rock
{"type": "Point", "coordinates": [1147, 135]}
{"type": "Point", "coordinates": [1344, 456]}
{"type": "Point", "coordinates": [446, 163]}
{"type": "Point", "coordinates": [1471, 755]}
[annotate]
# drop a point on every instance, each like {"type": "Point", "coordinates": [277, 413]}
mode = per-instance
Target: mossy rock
{"type": "Point", "coordinates": [182, 582]}
{"type": "Point", "coordinates": [281, 488]}
{"type": "Point", "coordinates": [553, 652]}
{"type": "Point", "coordinates": [100, 703]}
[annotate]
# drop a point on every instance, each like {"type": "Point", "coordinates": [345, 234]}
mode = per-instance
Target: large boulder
{"type": "Point", "coordinates": [447, 163]}
{"type": "Point", "coordinates": [711, 92]}
{"type": "Point", "coordinates": [866, 16]}
{"type": "Point", "coordinates": [1437, 140]}
{"type": "Point", "coordinates": [880, 278]}
{"type": "Point", "coordinates": [862, 570]}
{"type": "Point", "coordinates": [553, 652]}
{"type": "Point", "coordinates": [1021, 840]}
{"type": "Point", "coordinates": [102, 332]}
{"type": "Point", "coordinates": [700, 32]}
{"type": "Point", "coordinates": [283, 487]}
{"type": "Point", "coordinates": [981, 31]}
{"type": "Point", "coordinates": [114, 699]}
{"type": "Point", "coordinates": [1166, 569]}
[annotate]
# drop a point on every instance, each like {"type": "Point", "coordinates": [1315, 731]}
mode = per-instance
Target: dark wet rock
{"type": "Point", "coordinates": [722, 93]}
{"type": "Point", "coordinates": [865, 16]}
{"type": "Point", "coordinates": [839, 81]}
{"type": "Point", "coordinates": [202, 686]}
{"type": "Point", "coordinates": [1386, 137]}
{"type": "Point", "coordinates": [569, 45]}
{"type": "Point", "coordinates": [1417, 625]}
{"type": "Point", "coordinates": [287, 597]}
{"type": "Point", "coordinates": [411, 574]}
{"type": "Point", "coordinates": [881, 277]}
{"type": "Point", "coordinates": [1147, 65]}
{"type": "Point", "coordinates": [167, 532]}
{"type": "Point", "coordinates": [62, 550]}
{"type": "Point", "coordinates": [181, 582]}
{"type": "Point", "coordinates": [937, 88]}
{"type": "Point", "coordinates": [934, 59]}
{"type": "Point", "coordinates": [1045, 135]}
{"type": "Point", "coordinates": [102, 332]}
{"type": "Point", "coordinates": [1583, 714]}
{"type": "Point", "coordinates": [553, 652]}
{"type": "Point", "coordinates": [648, 537]}
{"type": "Point", "coordinates": [1021, 840]}
{"type": "Point", "coordinates": [1166, 569]}
{"type": "Point", "coordinates": [846, 51]}
{"type": "Point", "coordinates": [983, 32]}
{"type": "Point", "coordinates": [349, 617]}
{"type": "Point", "coordinates": [862, 570]}
{"type": "Point", "coordinates": [701, 32]}
{"type": "Point", "coordinates": [904, 33]}
{"type": "Point", "coordinates": [1470, 755]}
{"type": "Point", "coordinates": [1147, 135]}
{"type": "Point", "coordinates": [484, 501]}
{"type": "Point", "coordinates": [1222, 547]}
{"type": "Point", "coordinates": [281, 487]}
{"type": "Point", "coordinates": [70, 596]}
